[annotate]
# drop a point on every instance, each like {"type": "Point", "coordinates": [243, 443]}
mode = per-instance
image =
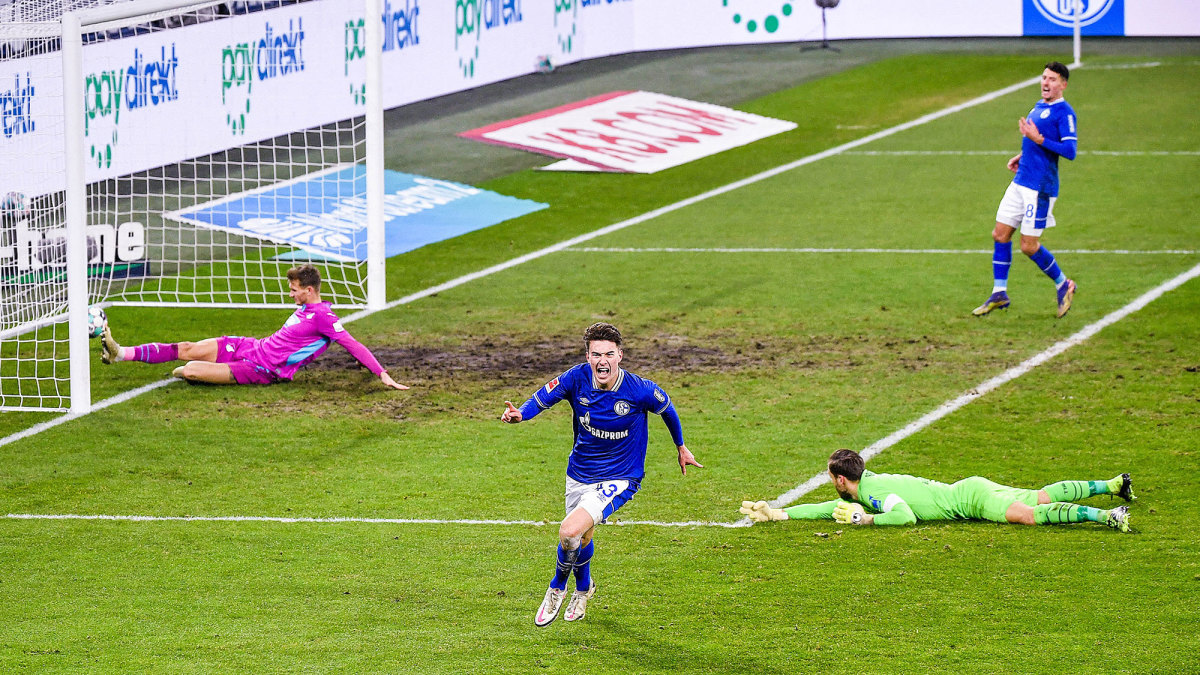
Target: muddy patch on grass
{"type": "Point", "coordinates": [508, 361]}
{"type": "Point", "coordinates": [505, 361]}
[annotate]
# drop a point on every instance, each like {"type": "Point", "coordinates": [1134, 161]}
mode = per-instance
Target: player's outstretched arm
{"type": "Point", "coordinates": [387, 379]}
{"type": "Point", "coordinates": [511, 415]}
{"type": "Point", "coordinates": [687, 458]}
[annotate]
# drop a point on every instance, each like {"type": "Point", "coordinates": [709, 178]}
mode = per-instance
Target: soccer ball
{"type": "Point", "coordinates": [97, 320]}
{"type": "Point", "coordinates": [14, 208]}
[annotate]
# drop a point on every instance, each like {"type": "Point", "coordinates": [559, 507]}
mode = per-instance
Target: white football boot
{"type": "Point", "coordinates": [548, 611]}
{"type": "Point", "coordinates": [578, 605]}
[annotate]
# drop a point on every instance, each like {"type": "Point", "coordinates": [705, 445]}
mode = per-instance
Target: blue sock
{"type": "Point", "coordinates": [1001, 262]}
{"type": "Point", "coordinates": [562, 571]}
{"type": "Point", "coordinates": [1045, 261]}
{"type": "Point", "coordinates": [583, 567]}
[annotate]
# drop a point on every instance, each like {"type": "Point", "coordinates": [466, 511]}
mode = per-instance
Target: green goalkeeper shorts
{"type": "Point", "coordinates": [981, 499]}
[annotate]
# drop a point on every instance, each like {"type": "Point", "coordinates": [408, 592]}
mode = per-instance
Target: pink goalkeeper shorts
{"type": "Point", "coordinates": [236, 352]}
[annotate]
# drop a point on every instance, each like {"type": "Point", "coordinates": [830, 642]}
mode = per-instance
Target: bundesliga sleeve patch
{"type": "Point", "coordinates": [551, 385]}
{"type": "Point", "coordinates": [337, 327]}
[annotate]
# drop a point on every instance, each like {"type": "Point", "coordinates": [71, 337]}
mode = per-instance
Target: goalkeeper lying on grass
{"type": "Point", "coordinates": [897, 499]}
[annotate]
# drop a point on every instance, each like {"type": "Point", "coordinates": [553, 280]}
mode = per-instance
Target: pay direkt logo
{"type": "Point", "coordinates": [145, 82]}
{"type": "Point", "coordinates": [751, 21]}
{"type": "Point", "coordinates": [399, 32]}
{"type": "Point", "coordinates": [275, 54]}
{"type": "Point", "coordinates": [16, 107]}
{"type": "Point", "coordinates": [471, 19]}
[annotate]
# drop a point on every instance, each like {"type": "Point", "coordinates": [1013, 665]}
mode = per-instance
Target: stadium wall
{"type": "Point", "coordinates": [272, 61]}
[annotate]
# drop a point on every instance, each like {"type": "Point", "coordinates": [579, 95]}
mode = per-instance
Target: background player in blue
{"type": "Point", "coordinates": [608, 458]}
{"type": "Point", "coordinates": [1049, 133]}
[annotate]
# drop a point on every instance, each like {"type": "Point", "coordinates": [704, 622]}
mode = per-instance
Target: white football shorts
{"type": "Point", "coordinates": [600, 500]}
{"type": "Point", "coordinates": [1027, 209]}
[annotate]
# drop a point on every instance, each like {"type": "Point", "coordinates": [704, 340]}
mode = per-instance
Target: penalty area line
{"type": "Point", "coordinates": [986, 386]}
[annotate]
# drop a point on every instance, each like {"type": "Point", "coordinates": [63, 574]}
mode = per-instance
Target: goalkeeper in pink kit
{"type": "Point", "coordinates": [306, 335]}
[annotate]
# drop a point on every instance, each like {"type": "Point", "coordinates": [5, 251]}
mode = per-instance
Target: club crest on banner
{"type": "Point", "coordinates": [1056, 17]}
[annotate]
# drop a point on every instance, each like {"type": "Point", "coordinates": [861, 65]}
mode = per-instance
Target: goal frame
{"type": "Point", "coordinates": [74, 24]}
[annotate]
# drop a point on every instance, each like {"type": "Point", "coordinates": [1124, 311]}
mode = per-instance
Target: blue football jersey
{"type": "Point", "coordinates": [610, 424]}
{"type": "Point", "coordinates": [1038, 168]}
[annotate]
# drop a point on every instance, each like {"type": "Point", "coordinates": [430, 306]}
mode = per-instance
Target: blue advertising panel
{"type": "Point", "coordinates": [1056, 17]}
{"type": "Point", "coordinates": [324, 215]}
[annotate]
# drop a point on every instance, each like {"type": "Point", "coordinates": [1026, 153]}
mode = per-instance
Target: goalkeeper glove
{"type": "Point", "coordinates": [760, 512]}
{"type": "Point", "coordinates": [848, 513]}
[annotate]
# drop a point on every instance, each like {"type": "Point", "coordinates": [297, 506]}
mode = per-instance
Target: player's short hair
{"type": "Point", "coordinates": [306, 274]}
{"type": "Point", "coordinates": [601, 331]}
{"type": "Point", "coordinates": [1060, 68]}
{"type": "Point", "coordinates": [847, 463]}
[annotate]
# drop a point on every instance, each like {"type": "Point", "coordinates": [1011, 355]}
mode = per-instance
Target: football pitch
{"type": "Point", "coordinates": [807, 292]}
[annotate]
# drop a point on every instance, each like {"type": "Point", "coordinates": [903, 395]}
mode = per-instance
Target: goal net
{"type": "Point", "coordinates": [218, 149]}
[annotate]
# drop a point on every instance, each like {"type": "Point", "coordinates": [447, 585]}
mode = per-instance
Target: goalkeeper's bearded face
{"type": "Point", "coordinates": [841, 485]}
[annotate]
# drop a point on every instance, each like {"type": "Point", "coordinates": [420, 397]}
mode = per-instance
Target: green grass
{"type": "Point", "coordinates": [773, 360]}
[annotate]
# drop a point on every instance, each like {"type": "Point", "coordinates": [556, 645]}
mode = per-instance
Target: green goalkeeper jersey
{"type": "Point", "coordinates": [895, 499]}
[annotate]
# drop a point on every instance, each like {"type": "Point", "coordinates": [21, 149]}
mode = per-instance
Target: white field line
{"type": "Point", "coordinates": [1057, 251]}
{"type": "Point", "coordinates": [383, 521]}
{"type": "Point", "coordinates": [1129, 66]}
{"type": "Point", "coordinates": [786, 498]}
{"type": "Point", "coordinates": [1009, 153]}
{"type": "Point", "coordinates": [520, 260]}
{"type": "Point", "coordinates": [1009, 375]}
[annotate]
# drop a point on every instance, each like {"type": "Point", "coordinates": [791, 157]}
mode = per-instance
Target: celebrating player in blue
{"type": "Point", "coordinates": [608, 459]}
{"type": "Point", "coordinates": [1049, 133]}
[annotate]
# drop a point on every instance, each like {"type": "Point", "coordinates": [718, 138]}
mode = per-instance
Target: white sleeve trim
{"type": "Point", "coordinates": [891, 502]}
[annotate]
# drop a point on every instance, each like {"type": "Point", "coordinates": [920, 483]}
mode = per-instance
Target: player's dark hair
{"type": "Point", "coordinates": [1057, 67]}
{"type": "Point", "coordinates": [847, 463]}
{"type": "Point", "coordinates": [306, 274]}
{"type": "Point", "coordinates": [601, 331]}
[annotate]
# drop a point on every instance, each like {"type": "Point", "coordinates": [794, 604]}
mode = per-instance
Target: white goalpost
{"type": "Point", "coordinates": [172, 153]}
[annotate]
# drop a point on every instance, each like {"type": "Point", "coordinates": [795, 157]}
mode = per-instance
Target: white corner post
{"type": "Point", "coordinates": [376, 256]}
{"type": "Point", "coordinates": [75, 206]}
{"type": "Point", "coordinates": [1077, 7]}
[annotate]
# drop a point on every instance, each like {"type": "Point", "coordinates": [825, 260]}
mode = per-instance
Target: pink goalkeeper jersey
{"type": "Point", "coordinates": [305, 336]}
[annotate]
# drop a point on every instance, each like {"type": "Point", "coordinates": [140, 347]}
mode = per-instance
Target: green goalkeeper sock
{"type": "Point", "coordinates": [1065, 512]}
{"type": "Point", "coordinates": [1074, 490]}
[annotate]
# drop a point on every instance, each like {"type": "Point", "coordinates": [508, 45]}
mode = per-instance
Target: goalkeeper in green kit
{"type": "Point", "coordinates": [868, 498]}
